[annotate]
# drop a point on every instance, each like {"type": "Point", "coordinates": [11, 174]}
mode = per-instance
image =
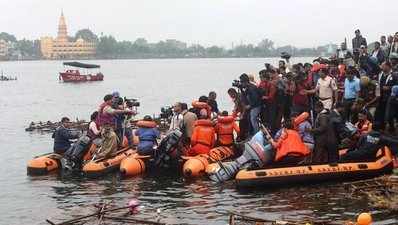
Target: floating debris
{"type": "Point", "coordinates": [51, 126]}
{"type": "Point", "coordinates": [382, 192]}
{"type": "Point", "coordinates": [105, 215]}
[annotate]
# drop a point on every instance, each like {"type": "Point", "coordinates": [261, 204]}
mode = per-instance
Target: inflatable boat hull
{"type": "Point", "coordinates": [316, 173]}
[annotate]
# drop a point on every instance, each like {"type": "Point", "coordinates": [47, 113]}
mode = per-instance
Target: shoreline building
{"type": "Point", "coordinates": [62, 48]}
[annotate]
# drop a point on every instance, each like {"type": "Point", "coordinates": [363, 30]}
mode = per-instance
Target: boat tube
{"type": "Point", "coordinates": [316, 173]}
{"type": "Point", "coordinates": [100, 167]}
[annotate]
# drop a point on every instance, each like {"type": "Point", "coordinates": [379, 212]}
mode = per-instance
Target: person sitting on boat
{"type": "Point", "coordinates": [201, 108]}
{"type": "Point", "coordinates": [147, 134]}
{"type": "Point", "coordinates": [368, 145]}
{"type": "Point", "coordinates": [288, 144]}
{"type": "Point", "coordinates": [93, 131]}
{"type": "Point", "coordinates": [213, 103]}
{"type": "Point", "coordinates": [63, 136]}
{"type": "Point", "coordinates": [203, 137]}
{"type": "Point", "coordinates": [225, 128]}
{"type": "Point", "coordinates": [73, 157]}
{"type": "Point", "coordinates": [303, 126]}
{"type": "Point", "coordinates": [364, 125]}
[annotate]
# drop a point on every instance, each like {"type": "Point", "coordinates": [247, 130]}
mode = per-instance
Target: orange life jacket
{"type": "Point", "coordinates": [299, 119]}
{"type": "Point", "coordinates": [364, 127]}
{"type": "Point", "coordinates": [225, 130]}
{"type": "Point", "coordinates": [203, 137]}
{"type": "Point", "coordinates": [202, 105]}
{"type": "Point", "coordinates": [290, 143]}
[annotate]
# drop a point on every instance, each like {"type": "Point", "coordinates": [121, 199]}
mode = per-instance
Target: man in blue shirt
{"type": "Point", "coordinates": [351, 91]}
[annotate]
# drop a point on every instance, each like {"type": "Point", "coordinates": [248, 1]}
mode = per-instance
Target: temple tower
{"type": "Point", "coordinates": [62, 31]}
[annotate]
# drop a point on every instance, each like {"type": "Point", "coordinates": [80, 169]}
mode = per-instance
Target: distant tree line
{"type": "Point", "coordinates": [110, 48]}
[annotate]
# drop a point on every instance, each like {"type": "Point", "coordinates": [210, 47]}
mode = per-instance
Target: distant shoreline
{"type": "Point", "coordinates": [143, 58]}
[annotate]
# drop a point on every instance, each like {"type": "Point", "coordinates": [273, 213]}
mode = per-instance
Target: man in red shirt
{"type": "Point", "coordinates": [300, 99]}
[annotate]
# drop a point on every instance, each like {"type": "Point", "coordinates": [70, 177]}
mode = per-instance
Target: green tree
{"type": "Point", "coordinates": [107, 47]}
{"type": "Point", "coordinates": [8, 37]}
{"type": "Point", "coordinates": [26, 47]}
{"type": "Point", "coordinates": [87, 35]}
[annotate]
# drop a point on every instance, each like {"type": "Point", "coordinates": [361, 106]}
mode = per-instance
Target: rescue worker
{"type": "Point", "coordinates": [288, 144]}
{"type": "Point", "coordinates": [147, 134]}
{"type": "Point", "coordinates": [364, 125]}
{"type": "Point", "coordinates": [63, 136]}
{"type": "Point", "coordinates": [368, 145]}
{"type": "Point", "coordinates": [303, 128]}
{"type": "Point", "coordinates": [225, 128]}
{"type": "Point", "coordinates": [201, 107]}
{"type": "Point", "coordinates": [203, 137]}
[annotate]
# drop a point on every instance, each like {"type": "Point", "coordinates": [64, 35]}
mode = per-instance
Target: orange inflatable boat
{"type": "Point", "coordinates": [50, 162]}
{"type": "Point", "coordinates": [196, 166]}
{"type": "Point", "coordinates": [316, 173]}
{"type": "Point", "coordinates": [100, 167]}
{"type": "Point", "coordinates": [44, 164]}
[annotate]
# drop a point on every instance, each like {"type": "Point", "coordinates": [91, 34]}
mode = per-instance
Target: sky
{"type": "Point", "coordinates": [302, 23]}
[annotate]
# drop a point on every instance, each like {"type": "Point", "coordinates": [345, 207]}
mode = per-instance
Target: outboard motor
{"type": "Point", "coordinates": [73, 156]}
{"type": "Point", "coordinates": [254, 155]}
{"type": "Point", "coordinates": [168, 148]}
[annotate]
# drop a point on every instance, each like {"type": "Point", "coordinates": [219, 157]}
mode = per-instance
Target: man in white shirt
{"type": "Point", "coordinates": [326, 89]}
{"type": "Point", "coordinates": [177, 117]}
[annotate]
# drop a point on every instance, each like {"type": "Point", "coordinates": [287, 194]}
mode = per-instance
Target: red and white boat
{"type": "Point", "coordinates": [74, 75]}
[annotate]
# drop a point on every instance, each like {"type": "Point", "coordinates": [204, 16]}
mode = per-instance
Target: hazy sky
{"type": "Point", "coordinates": [304, 23]}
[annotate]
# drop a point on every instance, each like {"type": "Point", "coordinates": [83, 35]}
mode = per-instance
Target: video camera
{"type": "Point", "coordinates": [237, 83]}
{"type": "Point", "coordinates": [131, 102]}
{"type": "Point", "coordinates": [166, 112]}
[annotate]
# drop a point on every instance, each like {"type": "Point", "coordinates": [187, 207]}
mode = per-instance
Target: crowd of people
{"type": "Point", "coordinates": [304, 109]}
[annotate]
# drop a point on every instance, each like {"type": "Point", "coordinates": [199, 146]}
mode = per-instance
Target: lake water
{"type": "Point", "coordinates": [37, 95]}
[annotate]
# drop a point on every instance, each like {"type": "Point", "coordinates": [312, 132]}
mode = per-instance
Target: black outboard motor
{"type": "Point", "coordinates": [168, 148]}
{"type": "Point", "coordinates": [254, 156]}
{"type": "Point", "coordinates": [75, 153]}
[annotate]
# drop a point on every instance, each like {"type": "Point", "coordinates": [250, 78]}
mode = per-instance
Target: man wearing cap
{"type": "Point", "coordinates": [63, 136]}
{"type": "Point", "coordinates": [357, 41]}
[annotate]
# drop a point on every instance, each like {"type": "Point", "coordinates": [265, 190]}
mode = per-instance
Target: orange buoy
{"type": "Point", "coordinates": [195, 166]}
{"type": "Point", "coordinates": [364, 219]}
{"type": "Point", "coordinates": [132, 166]}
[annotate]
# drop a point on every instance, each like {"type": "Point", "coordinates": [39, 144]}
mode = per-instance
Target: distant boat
{"type": "Point", "coordinates": [74, 75]}
{"type": "Point", "coordinates": [6, 78]}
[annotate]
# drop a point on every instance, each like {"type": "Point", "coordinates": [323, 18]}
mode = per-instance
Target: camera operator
{"type": "Point", "coordinates": [254, 100]}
